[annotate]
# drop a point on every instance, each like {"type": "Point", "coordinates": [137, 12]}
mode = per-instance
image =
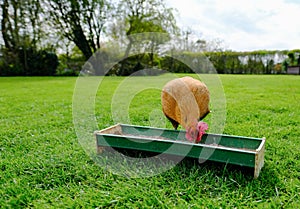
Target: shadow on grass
{"type": "Point", "coordinates": [209, 179]}
{"type": "Point", "coordinates": [220, 170]}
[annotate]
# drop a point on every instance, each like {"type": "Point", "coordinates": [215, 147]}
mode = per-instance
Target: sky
{"type": "Point", "coordinates": [242, 25]}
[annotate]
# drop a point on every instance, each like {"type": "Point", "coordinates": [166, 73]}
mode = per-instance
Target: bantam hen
{"type": "Point", "coordinates": [185, 101]}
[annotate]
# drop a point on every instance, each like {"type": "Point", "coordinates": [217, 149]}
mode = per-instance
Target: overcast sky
{"type": "Point", "coordinates": [244, 25]}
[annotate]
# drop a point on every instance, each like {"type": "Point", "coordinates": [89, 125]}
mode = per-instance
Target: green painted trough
{"type": "Point", "coordinates": [237, 150]}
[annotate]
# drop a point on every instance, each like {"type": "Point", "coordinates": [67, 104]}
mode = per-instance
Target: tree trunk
{"type": "Point", "coordinates": [6, 27]}
{"type": "Point", "coordinates": [81, 42]}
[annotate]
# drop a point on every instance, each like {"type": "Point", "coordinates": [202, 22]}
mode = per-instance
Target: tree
{"type": "Point", "coordinates": [142, 16]}
{"type": "Point", "coordinates": [291, 58]}
{"type": "Point", "coordinates": [81, 22]}
{"type": "Point", "coordinates": [21, 23]}
{"type": "Point", "coordinates": [270, 66]}
{"type": "Point", "coordinates": [140, 27]}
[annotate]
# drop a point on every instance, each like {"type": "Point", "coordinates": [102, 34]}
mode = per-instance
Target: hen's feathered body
{"type": "Point", "coordinates": [185, 101]}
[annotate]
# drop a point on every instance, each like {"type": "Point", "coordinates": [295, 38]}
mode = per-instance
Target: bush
{"type": "Point", "coordinates": [70, 65]}
{"type": "Point", "coordinates": [28, 62]}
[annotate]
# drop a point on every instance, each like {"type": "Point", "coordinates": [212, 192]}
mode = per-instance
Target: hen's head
{"type": "Point", "coordinates": [195, 132]}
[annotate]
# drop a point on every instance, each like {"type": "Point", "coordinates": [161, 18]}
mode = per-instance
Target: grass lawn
{"type": "Point", "coordinates": [42, 165]}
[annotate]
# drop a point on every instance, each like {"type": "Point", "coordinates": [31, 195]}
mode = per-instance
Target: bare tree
{"type": "Point", "coordinates": [21, 23]}
{"type": "Point", "coordinates": [81, 22]}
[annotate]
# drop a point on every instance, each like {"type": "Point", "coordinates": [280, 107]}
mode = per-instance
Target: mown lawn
{"type": "Point", "coordinates": [42, 165]}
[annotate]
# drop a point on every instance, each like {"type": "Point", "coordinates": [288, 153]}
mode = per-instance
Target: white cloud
{"type": "Point", "coordinates": [243, 25]}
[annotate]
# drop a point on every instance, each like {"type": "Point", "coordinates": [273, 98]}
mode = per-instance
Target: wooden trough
{"type": "Point", "coordinates": [237, 150]}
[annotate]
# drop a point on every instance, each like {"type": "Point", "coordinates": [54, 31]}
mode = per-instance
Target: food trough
{"type": "Point", "coordinates": [236, 150]}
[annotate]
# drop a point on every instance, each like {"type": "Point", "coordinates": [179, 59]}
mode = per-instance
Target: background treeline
{"type": "Point", "coordinates": [58, 37]}
{"type": "Point", "coordinates": [222, 62]}
{"type": "Point", "coordinates": [42, 63]}
{"type": "Point", "coordinates": [230, 62]}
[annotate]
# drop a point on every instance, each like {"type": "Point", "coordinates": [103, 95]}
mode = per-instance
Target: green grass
{"type": "Point", "coordinates": [42, 165]}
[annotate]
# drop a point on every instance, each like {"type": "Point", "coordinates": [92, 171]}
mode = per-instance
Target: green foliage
{"type": "Point", "coordinates": [227, 62]}
{"type": "Point", "coordinates": [146, 62]}
{"type": "Point", "coordinates": [285, 65]}
{"type": "Point", "coordinates": [70, 65]}
{"type": "Point", "coordinates": [147, 16]}
{"type": "Point", "coordinates": [42, 165]}
{"type": "Point", "coordinates": [174, 65]}
{"type": "Point", "coordinates": [28, 62]}
{"type": "Point", "coordinates": [144, 17]}
{"type": "Point", "coordinates": [230, 62]}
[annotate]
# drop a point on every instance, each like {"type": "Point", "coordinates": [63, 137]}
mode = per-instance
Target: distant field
{"type": "Point", "coordinates": [42, 164]}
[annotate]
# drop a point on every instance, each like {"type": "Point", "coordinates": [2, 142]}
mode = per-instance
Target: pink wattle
{"type": "Point", "coordinates": [201, 127]}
